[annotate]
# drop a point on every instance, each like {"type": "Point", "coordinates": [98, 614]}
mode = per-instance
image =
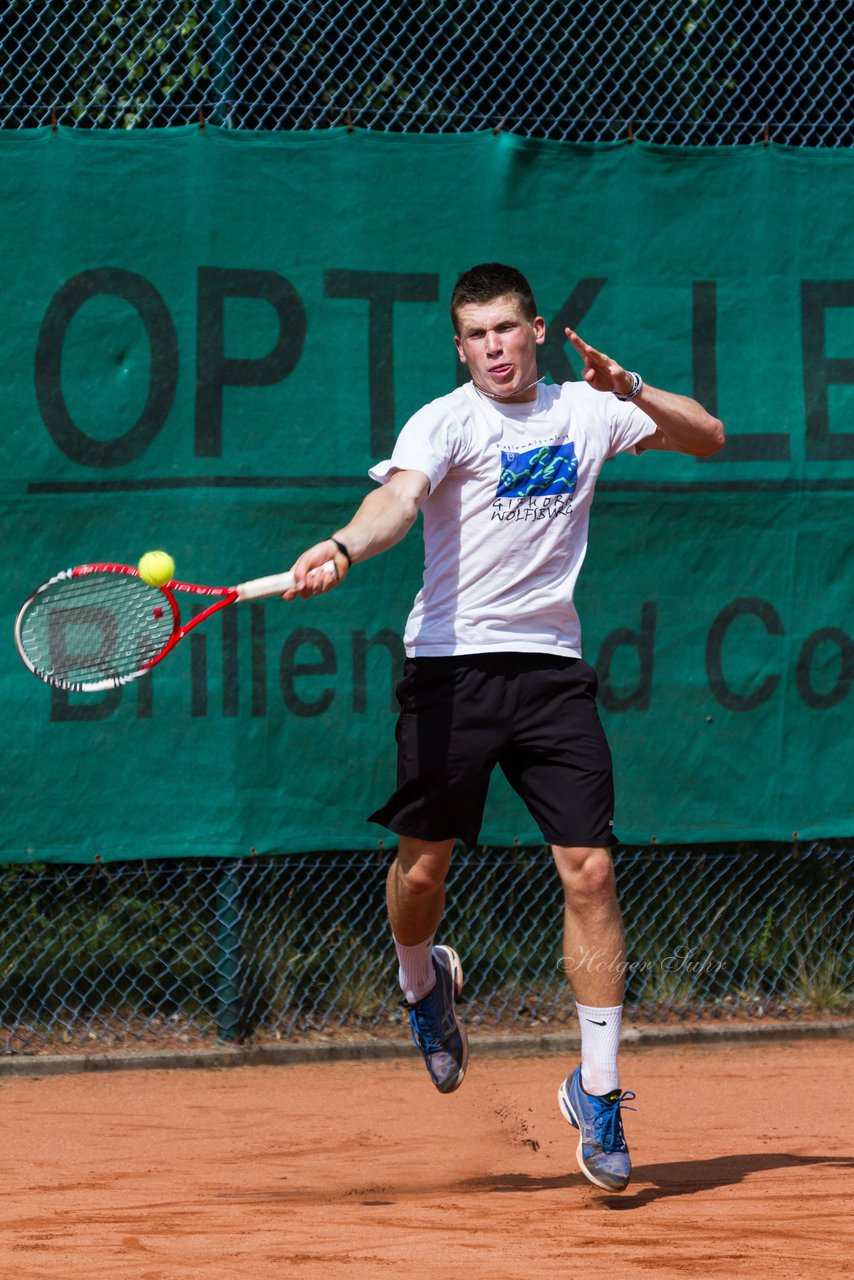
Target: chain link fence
{"type": "Point", "coordinates": [707, 72]}
{"type": "Point", "coordinates": [190, 951]}
{"type": "Point", "coordinates": [184, 952]}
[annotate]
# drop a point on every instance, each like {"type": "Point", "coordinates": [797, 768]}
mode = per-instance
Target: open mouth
{"type": "Point", "coordinates": [501, 370]}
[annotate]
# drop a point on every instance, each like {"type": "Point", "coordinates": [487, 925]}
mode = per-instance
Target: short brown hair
{"type": "Point", "coordinates": [492, 280]}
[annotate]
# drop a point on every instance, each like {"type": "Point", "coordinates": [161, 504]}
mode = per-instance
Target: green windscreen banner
{"type": "Point", "coordinates": [207, 339]}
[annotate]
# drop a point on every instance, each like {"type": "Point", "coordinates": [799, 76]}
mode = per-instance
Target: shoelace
{"type": "Point", "coordinates": [425, 1034]}
{"type": "Point", "coordinates": [608, 1123]}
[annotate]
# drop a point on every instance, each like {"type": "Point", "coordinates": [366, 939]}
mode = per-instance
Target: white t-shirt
{"type": "Point", "coordinates": [505, 523]}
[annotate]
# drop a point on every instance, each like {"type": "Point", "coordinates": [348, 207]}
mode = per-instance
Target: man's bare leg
{"type": "Point", "coordinates": [415, 888]}
{"type": "Point", "coordinates": [594, 951]}
{"type": "Point", "coordinates": [594, 959]}
{"type": "Point", "coordinates": [430, 978]}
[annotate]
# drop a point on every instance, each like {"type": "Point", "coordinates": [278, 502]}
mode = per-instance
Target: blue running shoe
{"type": "Point", "coordinates": [436, 1030]}
{"type": "Point", "coordinates": [602, 1154]}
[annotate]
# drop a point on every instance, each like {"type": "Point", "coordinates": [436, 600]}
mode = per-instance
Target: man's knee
{"type": "Point", "coordinates": [585, 872]}
{"type": "Point", "coordinates": [422, 866]}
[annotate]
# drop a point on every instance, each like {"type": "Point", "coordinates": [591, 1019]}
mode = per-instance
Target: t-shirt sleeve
{"type": "Point", "coordinates": [629, 426]}
{"type": "Point", "coordinates": [426, 444]}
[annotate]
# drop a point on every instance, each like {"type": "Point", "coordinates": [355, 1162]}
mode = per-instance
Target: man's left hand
{"type": "Point", "coordinates": [600, 371]}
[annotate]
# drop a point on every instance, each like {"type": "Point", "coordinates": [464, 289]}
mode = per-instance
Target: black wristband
{"type": "Point", "coordinates": [345, 553]}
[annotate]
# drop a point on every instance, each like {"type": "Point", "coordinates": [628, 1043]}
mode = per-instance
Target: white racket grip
{"type": "Point", "coordinates": [274, 585]}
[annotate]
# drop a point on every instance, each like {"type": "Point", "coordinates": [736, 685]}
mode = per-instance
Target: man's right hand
{"type": "Point", "coordinates": [318, 570]}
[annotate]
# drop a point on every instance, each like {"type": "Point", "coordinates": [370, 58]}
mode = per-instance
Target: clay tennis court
{"type": "Point", "coordinates": [744, 1156]}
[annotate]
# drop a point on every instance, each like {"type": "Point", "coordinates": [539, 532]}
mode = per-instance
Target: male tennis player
{"type": "Point", "coordinates": [504, 469]}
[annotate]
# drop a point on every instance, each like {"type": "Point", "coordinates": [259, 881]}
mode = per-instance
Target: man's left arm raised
{"type": "Point", "coordinates": [684, 426]}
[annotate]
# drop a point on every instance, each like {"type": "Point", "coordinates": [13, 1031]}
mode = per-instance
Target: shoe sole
{"type": "Point", "coordinates": [456, 971]}
{"type": "Point", "coordinates": [571, 1118]}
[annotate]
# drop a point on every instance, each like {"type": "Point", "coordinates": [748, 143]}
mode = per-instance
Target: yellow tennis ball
{"type": "Point", "coordinates": [156, 568]}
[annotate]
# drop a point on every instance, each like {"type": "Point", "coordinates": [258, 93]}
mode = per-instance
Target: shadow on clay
{"type": "Point", "coordinates": [657, 1181]}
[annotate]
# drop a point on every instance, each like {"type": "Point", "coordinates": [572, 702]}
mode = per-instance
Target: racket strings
{"type": "Point", "coordinates": [97, 627]}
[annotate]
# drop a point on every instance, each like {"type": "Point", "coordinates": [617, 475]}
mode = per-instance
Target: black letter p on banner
{"type": "Point", "coordinates": [214, 369]}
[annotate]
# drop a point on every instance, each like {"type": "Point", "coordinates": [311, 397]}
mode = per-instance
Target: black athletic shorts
{"type": "Point", "coordinates": [532, 714]}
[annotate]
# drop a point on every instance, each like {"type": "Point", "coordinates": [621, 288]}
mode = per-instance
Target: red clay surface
{"type": "Point", "coordinates": [743, 1154]}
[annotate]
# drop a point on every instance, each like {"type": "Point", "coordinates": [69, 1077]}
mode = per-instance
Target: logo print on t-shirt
{"type": "Point", "coordinates": [551, 469]}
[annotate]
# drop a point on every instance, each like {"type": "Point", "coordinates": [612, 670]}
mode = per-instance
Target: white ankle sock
{"type": "Point", "coordinates": [600, 1041]}
{"type": "Point", "coordinates": [416, 975]}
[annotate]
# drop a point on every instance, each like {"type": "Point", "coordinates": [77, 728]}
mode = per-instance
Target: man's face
{"type": "Point", "coordinates": [500, 347]}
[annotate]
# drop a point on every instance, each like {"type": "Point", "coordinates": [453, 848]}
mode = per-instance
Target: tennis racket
{"type": "Point", "coordinates": [100, 625]}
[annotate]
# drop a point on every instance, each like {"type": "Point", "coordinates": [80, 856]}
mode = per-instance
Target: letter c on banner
{"type": "Point", "coordinates": [770, 618]}
{"type": "Point", "coordinates": [140, 294]}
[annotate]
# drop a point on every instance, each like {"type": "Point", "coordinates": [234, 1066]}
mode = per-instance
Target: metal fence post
{"type": "Point", "coordinates": [222, 69]}
{"type": "Point", "coordinates": [229, 997]}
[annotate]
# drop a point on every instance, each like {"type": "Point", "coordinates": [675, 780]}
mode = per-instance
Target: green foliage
{"type": "Point", "coordinates": [109, 64]}
{"type": "Point", "coordinates": [78, 940]}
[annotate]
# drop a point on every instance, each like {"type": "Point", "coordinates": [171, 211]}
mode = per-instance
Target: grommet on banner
{"type": "Point", "coordinates": [53, 123]}
{"type": "Point", "coordinates": [631, 132]}
{"type": "Point", "coordinates": [201, 120]}
{"type": "Point", "coordinates": [349, 121]}
{"type": "Point", "coordinates": [767, 136]}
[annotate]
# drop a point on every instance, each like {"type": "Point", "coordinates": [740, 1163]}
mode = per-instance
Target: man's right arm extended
{"type": "Point", "coordinates": [385, 516]}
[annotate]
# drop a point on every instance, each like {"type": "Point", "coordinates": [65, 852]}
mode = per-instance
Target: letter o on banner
{"type": "Point", "coordinates": [163, 344]}
{"type": "Point", "coordinates": [828, 637]}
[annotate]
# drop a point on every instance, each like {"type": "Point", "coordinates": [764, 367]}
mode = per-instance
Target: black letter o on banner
{"type": "Point", "coordinates": [163, 344]}
{"type": "Point", "coordinates": [803, 671]}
